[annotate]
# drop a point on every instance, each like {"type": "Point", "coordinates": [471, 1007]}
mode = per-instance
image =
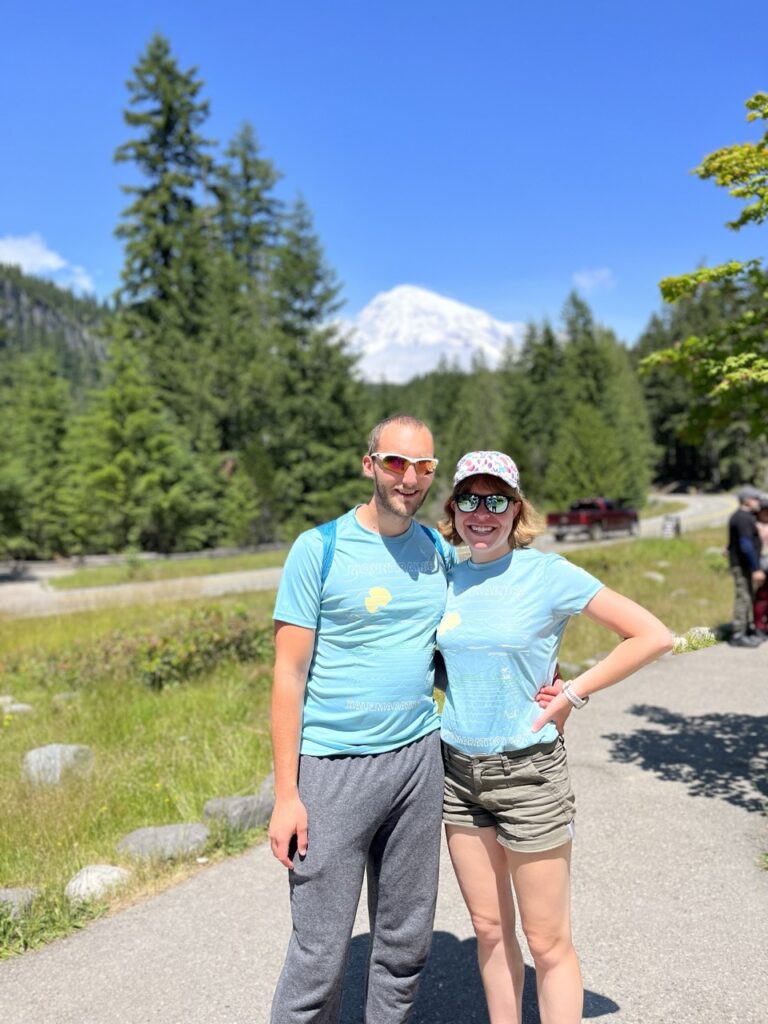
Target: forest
{"type": "Point", "coordinates": [214, 401]}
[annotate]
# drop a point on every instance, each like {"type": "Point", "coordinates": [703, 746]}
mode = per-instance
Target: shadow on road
{"type": "Point", "coordinates": [450, 990]}
{"type": "Point", "coordinates": [717, 755]}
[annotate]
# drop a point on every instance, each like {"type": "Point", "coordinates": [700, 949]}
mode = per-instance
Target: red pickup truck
{"type": "Point", "coordinates": [594, 517]}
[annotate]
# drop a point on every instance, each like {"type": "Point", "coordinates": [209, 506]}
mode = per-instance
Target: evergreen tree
{"type": "Point", "coordinates": [600, 375]}
{"type": "Point", "coordinates": [130, 478]}
{"type": "Point", "coordinates": [314, 441]}
{"type": "Point", "coordinates": [537, 388]}
{"type": "Point", "coordinates": [37, 419]}
{"type": "Point", "coordinates": [165, 279]}
{"type": "Point", "coordinates": [586, 459]}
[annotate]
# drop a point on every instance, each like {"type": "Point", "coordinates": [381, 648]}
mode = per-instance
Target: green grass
{"type": "Point", "coordinates": [657, 507]}
{"type": "Point", "coordinates": [138, 570]}
{"type": "Point", "coordinates": [159, 755]}
{"type": "Point", "coordinates": [696, 590]}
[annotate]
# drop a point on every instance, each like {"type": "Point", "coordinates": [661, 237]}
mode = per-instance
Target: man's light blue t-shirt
{"type": "Point", "coordinates": [500, 637]}
{"type": "Point", "coordinates": [369, 687]}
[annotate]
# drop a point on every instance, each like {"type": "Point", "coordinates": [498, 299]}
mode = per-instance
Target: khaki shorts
{"type": "Point", "coordinates": [525, 795]}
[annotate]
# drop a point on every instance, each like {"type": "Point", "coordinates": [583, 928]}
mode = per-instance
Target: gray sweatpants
{"type": "Point", "coordinates": [376, 813]}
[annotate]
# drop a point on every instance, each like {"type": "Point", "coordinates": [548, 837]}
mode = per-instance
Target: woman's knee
{"type": "Point", "coordinates": [489, 931]}
{"type": "Point", "coordinates": [548, 947]}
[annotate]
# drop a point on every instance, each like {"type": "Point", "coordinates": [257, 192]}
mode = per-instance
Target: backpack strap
{"type": "Point", "coordinates": [434, 536]}
{"type": "Point", "coordinates": [328, 532]}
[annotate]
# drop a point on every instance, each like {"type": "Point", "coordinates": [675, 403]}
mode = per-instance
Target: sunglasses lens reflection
{"type": "Point", "coordinates": [496, 503]}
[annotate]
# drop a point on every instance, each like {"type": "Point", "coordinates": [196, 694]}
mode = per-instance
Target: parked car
{"type": "Point", "coordinates": [593, 517]}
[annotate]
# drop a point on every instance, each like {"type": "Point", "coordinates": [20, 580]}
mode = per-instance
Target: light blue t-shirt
{"type": "Point", "coordinates": [500, 637]}
{"type": "Point", "coordinates": [369, 687]}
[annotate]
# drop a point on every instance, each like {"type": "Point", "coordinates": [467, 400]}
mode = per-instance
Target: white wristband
{"type": "Point", "coordinates": [571, 695]}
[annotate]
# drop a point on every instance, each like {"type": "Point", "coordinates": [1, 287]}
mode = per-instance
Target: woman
{"type": "Point", "coordinates": [509, 806]}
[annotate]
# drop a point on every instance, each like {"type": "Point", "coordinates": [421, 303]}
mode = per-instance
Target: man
{"type": "Point", "coordinates": [744, 559]}
{"type": "Point", "coordinates": [358, 771]}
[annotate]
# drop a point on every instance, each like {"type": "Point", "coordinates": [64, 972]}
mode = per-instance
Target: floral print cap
{"type": "Point", "coordinates": [487, 463]}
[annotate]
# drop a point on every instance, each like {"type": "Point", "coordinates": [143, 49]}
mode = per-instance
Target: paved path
{"type": "Point", "coordinates": [670, 901]}
{"type": "Point", "coordinates": [32, 597]}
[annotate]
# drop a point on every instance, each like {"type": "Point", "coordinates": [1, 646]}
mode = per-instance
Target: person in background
{"type": "Point", "coordinates": [358, 770]}
{"type": "Point", "coordinates": [760, 604]}
{"type": "Point", "coordinates": [509, 806]}
{"type": "Point", "coordinates": [744, 560]}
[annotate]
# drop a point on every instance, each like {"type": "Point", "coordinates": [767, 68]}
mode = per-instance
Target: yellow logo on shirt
{"type": "Point", "coordinates": [378, 597]}
{"type": "Point", "coordinates": [450, 621]}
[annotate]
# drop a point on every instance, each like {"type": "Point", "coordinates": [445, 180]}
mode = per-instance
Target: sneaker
{"type": "Point", "coordinates": [744, 641]}
{"type": "Point", "coordinates": [757, 636]}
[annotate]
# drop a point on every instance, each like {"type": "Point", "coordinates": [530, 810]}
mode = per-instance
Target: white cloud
{"type": "Point", "coordinates": [594, 277]}
{"type": "Point", "coordinates": [32, 254]}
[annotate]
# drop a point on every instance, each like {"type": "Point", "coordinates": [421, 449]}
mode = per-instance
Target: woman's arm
{"type": "Point", "coordinates": [643, 639]}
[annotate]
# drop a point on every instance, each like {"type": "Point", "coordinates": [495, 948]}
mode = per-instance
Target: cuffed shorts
{"type": "Point", "coordinates": [525, 795]}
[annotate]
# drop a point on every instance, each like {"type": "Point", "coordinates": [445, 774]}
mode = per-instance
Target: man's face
{"type": "Point", "coordinates": [401, 494]}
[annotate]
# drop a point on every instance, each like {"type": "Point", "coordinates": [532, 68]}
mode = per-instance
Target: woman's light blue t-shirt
{"type": "Point", "coordinates": [500, 638]}
{"type": "Point", "coordinates": [369, 687]}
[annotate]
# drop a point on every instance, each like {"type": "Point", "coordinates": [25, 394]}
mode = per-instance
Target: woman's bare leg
{"type": "Point", "coordinates": [482, 872]}
{"type": "Point", "coordinates": [542, 884]}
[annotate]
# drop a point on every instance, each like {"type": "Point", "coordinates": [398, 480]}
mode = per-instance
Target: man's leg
{"type": "Point", "coordinates": [343, 816]}
{"type": "Point", "coordinates": [742, 603]}
{"type": "Point", "coordinates": [402, 881]}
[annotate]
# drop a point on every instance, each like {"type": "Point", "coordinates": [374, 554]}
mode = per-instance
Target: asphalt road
{"type": "Point", "coordinates": [670, 899]}
{"type": "Point", "coordinates": [31, 596]}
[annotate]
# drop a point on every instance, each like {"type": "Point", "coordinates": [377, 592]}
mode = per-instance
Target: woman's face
{"type": "Point", "coordinates": [485, 533]}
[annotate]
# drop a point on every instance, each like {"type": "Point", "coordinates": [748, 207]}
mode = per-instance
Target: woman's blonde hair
{"type": "Point", "coordinates": [527, 525]}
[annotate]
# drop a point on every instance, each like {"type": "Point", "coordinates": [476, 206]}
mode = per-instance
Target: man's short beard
{"type": "Point", "coordinates": [384, 500]}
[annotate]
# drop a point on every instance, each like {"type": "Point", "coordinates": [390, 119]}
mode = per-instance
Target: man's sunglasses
{"type": "Point", "coordinates": [496, 503]}
{"type": "Point", "coordinates": [399, 463]}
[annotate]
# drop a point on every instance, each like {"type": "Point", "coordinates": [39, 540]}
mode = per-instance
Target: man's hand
{"type": "Point", "coordinates": [289, 819]}
{"type": "Point", "coordinates": [758, 578]}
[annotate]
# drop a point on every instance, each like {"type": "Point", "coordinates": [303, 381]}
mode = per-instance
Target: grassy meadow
{"type": "Point", "coordinates": [140, 570]}
{"type": "Point", "coordinates": [175, 709]}
{"type": "Point", "coordinates": [160, 752]}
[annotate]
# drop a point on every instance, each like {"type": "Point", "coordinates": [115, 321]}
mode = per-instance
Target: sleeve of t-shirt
{"type": "Point", "coordinates": [570, 587]}
{"type": "Point", "coordinates": [298, 596]}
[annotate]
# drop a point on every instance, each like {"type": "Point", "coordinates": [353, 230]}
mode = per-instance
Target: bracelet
{"type": "Point", "coordinates": [571, 695]}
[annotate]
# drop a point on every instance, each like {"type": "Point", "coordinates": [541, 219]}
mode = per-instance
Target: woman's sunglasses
{"type": "Point", "coordinates": [395, 463]}
{"type": "Point", "coordinates": [496, 503]}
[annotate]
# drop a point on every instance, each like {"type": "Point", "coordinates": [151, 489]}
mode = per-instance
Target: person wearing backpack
{"type": "Point", "coordinates": [355, 732]}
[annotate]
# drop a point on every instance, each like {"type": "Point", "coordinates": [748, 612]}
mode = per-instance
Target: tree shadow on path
{"type": "Point", "coordinates": [715, 755]}
{"type": "Point", "coordinates": [451, 991]}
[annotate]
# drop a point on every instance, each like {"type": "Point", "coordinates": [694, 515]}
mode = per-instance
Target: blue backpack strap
{"type": "Point", "coordinates": [328, 533]}
{"type": "Point", "coordinates": [434, 536]}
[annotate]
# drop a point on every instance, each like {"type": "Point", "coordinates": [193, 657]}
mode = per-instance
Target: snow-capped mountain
{"type": "Point", "coordinates": [405, 332]}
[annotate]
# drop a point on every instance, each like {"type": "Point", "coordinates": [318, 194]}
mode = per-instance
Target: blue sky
{"type": "Point", "coordinates": [499, 153]}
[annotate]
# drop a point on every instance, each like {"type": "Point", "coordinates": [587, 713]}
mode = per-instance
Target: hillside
{"type": "Point", "coordinates": [36, 315]}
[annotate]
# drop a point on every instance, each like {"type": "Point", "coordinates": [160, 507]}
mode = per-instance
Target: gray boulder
{"type": "Point", "coordinates": [243, 812]}
{"type": "Point", "coordinates": [164, 842]}
{"type": "Point", "coordinates": [95, 881]}
{"type": "Point", "coordinates": [15, 901]}
{"type": "Point", "coordinates": [657, 577]}
{"type": "Point", "coordinates": [50, 765]}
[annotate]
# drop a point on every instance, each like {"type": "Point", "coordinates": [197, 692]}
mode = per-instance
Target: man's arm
{"type": "Point", "coordinates": [293, 654]}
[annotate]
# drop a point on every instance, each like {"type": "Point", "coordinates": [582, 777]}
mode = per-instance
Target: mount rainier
{"type": "Point", "coordinates": [405, 332]}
